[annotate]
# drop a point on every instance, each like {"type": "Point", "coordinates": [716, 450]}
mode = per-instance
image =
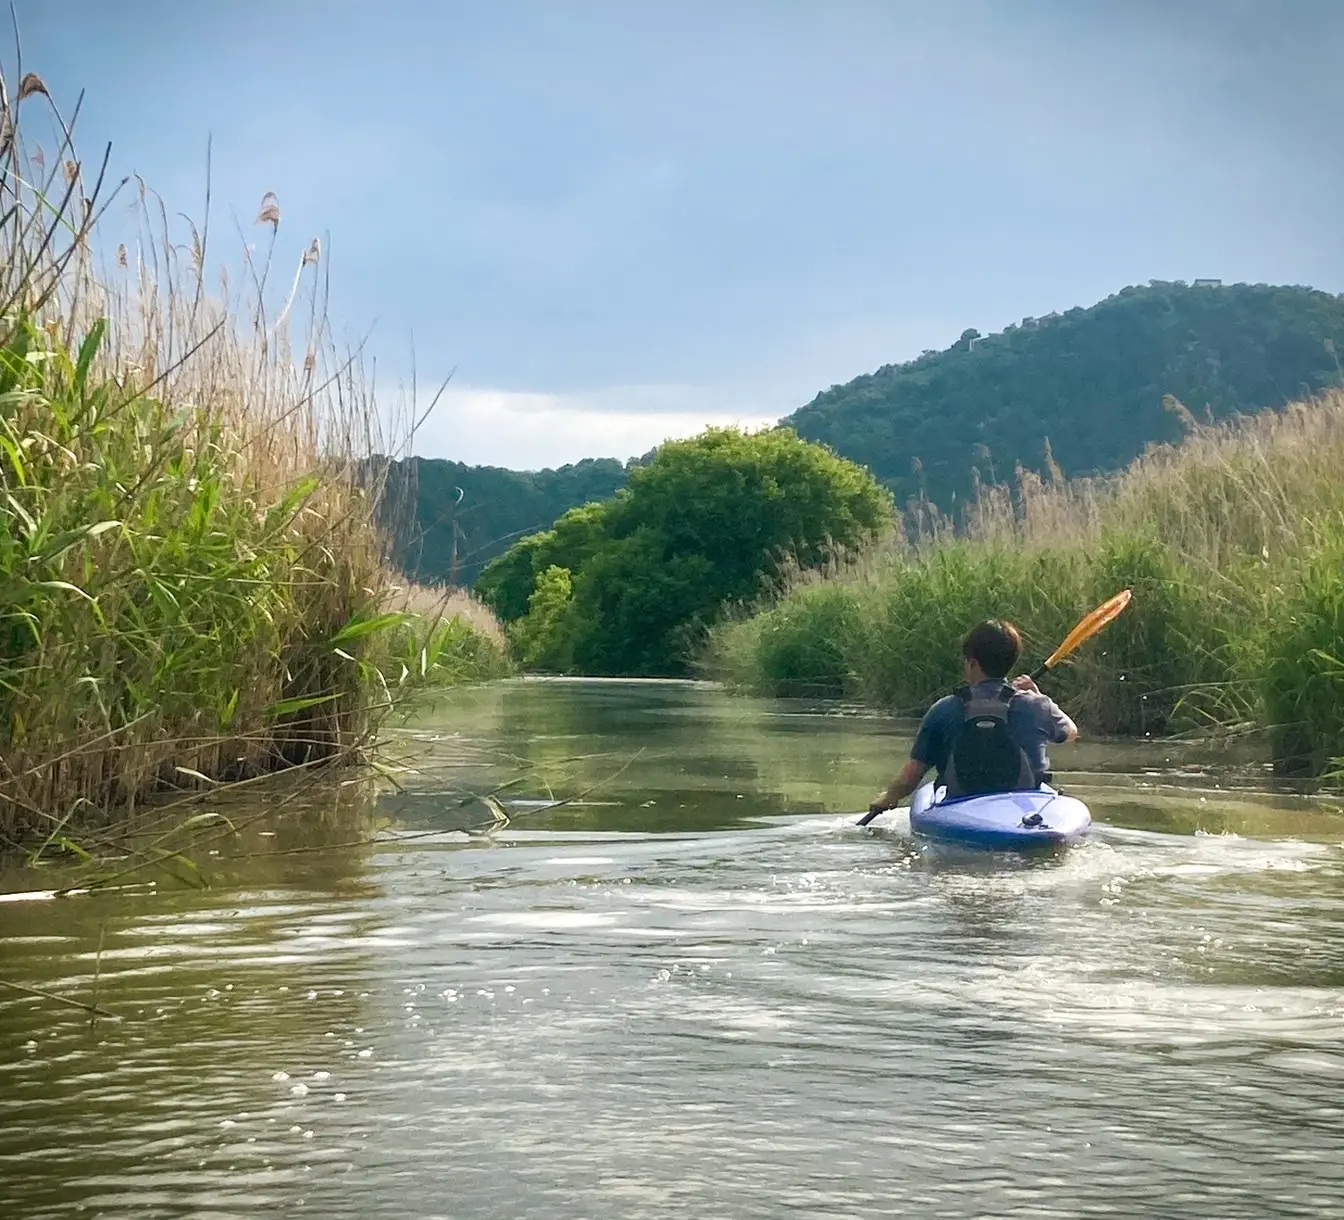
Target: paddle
{"type": "Point", "coordinates": [1087, 627]}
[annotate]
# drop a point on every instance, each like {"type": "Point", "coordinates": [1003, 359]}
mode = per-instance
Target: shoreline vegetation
{"type": "Point", "coordinates": [1232, 540]}
{"type": "Point", "coordinates": [199, 583]}
{"type": "Point", "coordinates": [628, 587]}
{"type": "Point", "coordinates": [194, 586]}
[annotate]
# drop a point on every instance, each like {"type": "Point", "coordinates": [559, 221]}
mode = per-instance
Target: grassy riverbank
{"type": "Point", "coordinates": [193, 589]}
{"type": "Point", "coordinates": [1233, 542]}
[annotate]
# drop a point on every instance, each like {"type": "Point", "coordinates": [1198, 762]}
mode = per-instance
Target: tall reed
{"type": "Point", "coordinates": [1231, 540]}
{"type": "Point", "coordinates": [193, 589]}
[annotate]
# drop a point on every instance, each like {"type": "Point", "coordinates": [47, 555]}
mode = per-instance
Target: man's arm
{"type": "Point", "coordinates": [1064, 730]}
{"type": "Point", "coordinates": [901, 787]}
{"type": "Point", "coordinates": [929, 750]}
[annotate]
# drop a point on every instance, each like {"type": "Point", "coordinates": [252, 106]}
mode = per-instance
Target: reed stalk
{"type": "Point", "coordinates": [193, 586]}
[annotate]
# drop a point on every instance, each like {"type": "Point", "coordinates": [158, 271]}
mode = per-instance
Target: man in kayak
{"type": "Point", "coordinates": [991, 735]}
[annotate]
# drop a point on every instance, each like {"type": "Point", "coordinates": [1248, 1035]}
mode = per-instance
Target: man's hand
{"type": "Point", "coordinates": [899, 788]}
{"type": "Point", "coordinates": [1023, 682]}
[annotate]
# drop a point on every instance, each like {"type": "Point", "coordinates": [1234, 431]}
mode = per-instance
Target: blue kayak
{"type": "Point", "coordinates": [1001, 821]}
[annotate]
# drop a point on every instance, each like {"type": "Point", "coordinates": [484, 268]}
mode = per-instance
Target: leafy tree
{"type": "Point", "coordinates": [708, 521]}
{"type": "Point", "coordinates": [1089, 383]}
{"type": "Point", "coordinates": [508, 580]}
{"type": "Point", "coordinates": [539, 637]}
{"type": "Point", "coordinates": [506, 584]}
{"type": "Point", "coordinates": [639, 608]}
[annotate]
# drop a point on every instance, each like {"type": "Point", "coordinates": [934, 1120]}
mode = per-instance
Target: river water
{"type": "Point", "coordinates": [696, 989]}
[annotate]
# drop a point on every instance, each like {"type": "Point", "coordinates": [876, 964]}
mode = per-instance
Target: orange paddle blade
{"type": "Point", "coordinates": [1106, 613]}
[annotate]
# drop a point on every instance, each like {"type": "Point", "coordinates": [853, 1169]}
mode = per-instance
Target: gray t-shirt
{"type": "Point", "coordinates": [1034, 720]}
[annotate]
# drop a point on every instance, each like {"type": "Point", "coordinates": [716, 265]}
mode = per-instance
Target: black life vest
{"type": "Point", "coordinates": [984, 757]}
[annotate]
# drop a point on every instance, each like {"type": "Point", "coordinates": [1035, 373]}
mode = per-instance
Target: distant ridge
{"type": "Point", "coordinates": [1091, 381]}
{"type": "Point", "coordinates": [450, 519]}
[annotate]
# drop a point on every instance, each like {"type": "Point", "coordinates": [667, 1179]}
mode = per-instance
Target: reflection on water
{"type": "Point", "coordinates": [695, 989]}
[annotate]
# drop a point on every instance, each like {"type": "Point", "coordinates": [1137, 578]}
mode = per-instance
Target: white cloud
{"type": "Point", "coordinates": [529, 430]}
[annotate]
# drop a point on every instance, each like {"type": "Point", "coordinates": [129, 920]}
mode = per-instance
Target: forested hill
{"type": "Point", "coordinates": [1091, 381]}
{"type": "Point", "coordinates": [433, 504]}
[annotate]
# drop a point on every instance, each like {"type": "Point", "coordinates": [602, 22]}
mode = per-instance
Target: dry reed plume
{"type": "Point", "coordinates": [1233, 541]}
{"type": "Point", "coordinates": [192, 585]}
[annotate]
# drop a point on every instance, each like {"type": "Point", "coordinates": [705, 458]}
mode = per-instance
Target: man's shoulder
{"type": "Point", "coordinates": [936, 731]}
{"type": "Point", "coordinates": [1037, 705]}
{"type": "Point", "coordinates": [1033, 698]}
{"type": "Point", "coordinates": [945, 710]}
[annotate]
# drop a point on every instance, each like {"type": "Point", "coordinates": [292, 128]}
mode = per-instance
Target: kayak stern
{"type": "Point", "coordinates": [1000, 821]}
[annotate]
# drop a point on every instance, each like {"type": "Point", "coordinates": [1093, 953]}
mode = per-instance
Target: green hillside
{"type": "Point", "coordinates": [433, 504]}
{"type": "Point", "coordinates": [1090, 381]}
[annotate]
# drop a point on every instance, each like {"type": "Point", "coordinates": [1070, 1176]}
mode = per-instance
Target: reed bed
{"type": "Point", "coordinates": [1232, 540]}
{"type": "Point", "coordinates": [193, 586]}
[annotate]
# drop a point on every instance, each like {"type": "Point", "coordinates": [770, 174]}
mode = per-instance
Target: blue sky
{"type": "Point", "coordinates": [620, 221]}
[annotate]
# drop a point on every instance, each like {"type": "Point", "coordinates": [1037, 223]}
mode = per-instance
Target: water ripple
{"type": "Point", "coordinates": [793, 1018]}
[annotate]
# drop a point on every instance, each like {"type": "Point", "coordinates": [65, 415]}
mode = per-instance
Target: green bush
{"type": "Point", "coordinates": [540, 639]}
{"type": "Point", "coordinates": [894, 634]}
{"type": "Point", "coordinates": [815, 643]}
{"type": "Point", "coordinates": [924, 607]}
{"type": "Point", "coordinates": [710, 521]}
{"type": "Point", "coordinates": [891, 631]}
{"type": "Point", "coordinates": [164, 612]}
{"type": "Point", "coordinates": [448, 644]}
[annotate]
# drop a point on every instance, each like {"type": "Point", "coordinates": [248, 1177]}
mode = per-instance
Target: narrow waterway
{"type": "Point", "coordinates": [695, 989]}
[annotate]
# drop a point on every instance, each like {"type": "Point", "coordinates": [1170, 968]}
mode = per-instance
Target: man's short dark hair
{"type": "Point", "coordinates": [995, 645]}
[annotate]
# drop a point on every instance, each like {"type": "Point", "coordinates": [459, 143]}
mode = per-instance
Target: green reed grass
{"type": "Point", "coordinates": [1232, 542]}
{"type": "Point", "coordinates": [1297, 650]}
{"type": "Point", "coordinates": [193, 589]}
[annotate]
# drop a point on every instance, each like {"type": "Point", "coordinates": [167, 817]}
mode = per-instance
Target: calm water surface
{"type": "Point", "coordinates": [695, 990]}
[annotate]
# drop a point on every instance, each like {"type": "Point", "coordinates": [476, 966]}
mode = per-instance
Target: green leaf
{"type": "Point", "coordinates": [65, 586]}
{"type": "Point", "coordinates": [22, 513]}
{"type": "Point", "coordinates": [292, 501]}
{"type": "Point", "coordinates": [16, 461]}
{"type": "Point", "coordinates": [69, 845]}
{"type": "Point", "coordinates": [357, 628]}
{"type": "Point", "coordinates": [288, 707]}
{"type": "Point", "coordinates": [87, 350]}
{"type": "Point", "coordinates": [61, 546]}
{"type": "Point", "coordinates": [195, 876]}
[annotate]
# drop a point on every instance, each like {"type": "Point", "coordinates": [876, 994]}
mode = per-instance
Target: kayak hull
{"type": "Point", "coordinates": [1001, 821]}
